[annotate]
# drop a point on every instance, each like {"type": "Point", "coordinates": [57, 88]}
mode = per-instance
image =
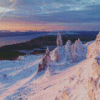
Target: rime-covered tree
{"type": "Point", "coordinates": [59, 40]}
{"type": "Point", "coordinates": [59, 51]}
{"type": "Point", "coordinates": [68, 51]}
{"type": "Point", "coordinates": [46, 61]}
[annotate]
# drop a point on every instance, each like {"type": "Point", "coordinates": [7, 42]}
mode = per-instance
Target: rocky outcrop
{"type": "Point", "coordinates": [46, 61]}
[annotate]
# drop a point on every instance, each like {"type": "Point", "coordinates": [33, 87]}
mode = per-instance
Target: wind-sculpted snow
{"type": "Point", "coordinates": [58, 52]}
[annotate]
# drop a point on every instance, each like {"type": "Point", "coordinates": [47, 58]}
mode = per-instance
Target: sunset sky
{"type": "Point", "coordinates": [49, 15]}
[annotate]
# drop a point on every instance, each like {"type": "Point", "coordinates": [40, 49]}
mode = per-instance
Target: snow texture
{"type": "Point", "coordinates": [71, 78]}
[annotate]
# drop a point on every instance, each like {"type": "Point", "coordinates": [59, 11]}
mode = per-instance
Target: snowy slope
{"type": "Point", "coordinates": [63, 80]}
{"type": "Point", "coordinates": [14, 74]}
{"type": "Point", "coordinates": [19, 80]}
{"type": "Point", "coordinates": [48, 87]}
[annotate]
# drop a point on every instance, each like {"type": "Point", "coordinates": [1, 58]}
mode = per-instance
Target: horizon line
{"type": "Point", "coordinates": [48, 30]}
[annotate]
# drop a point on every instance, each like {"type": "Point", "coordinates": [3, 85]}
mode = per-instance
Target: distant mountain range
{"type": "Point", "coordinates": [5, 33]}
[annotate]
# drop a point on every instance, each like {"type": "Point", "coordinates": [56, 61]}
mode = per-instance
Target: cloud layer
{"type": "Point", "coordinates": [63, 12]}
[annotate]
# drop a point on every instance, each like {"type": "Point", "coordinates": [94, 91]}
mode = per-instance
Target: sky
{"type": "Point", "coordinates": [48, 15]}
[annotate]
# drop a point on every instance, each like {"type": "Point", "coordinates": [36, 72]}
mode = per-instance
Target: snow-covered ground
{"type": "Point", "coordinates": [64, 80]}
{"type": "Point", "coordinates": [15, 74]}
{"type": "Point", "coordinates": [19, 80]}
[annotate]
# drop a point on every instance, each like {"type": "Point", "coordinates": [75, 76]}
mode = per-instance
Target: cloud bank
{"type": "Point", "coordinates": [64, 12]}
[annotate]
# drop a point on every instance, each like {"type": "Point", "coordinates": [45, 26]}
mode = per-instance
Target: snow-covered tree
{"type": "Point", "coordinates": [79, 47]}
{"type": "Point", "coordinates": [68, 51]}
{"type": "Point", "coordinates": [47, 51]}
{"type": "Point", "coordinates": [57, 55]}
{"type": "Point", "coordinates": [59, 40]}
{"type": "Point", "coordinates": [46, 61]}
{"type": "Point", "coordinates": [79, 41]}
{"type": "Point", "coordinates": [73, 53]}
{"type": "Point", "coordinates": [48, 57]}
{"type": "Point", "coordinates": [59, 51]}
{"type": "Point", "coordinates": [76, 45]}
{"type": "Point", "coordinates": [68, 45]}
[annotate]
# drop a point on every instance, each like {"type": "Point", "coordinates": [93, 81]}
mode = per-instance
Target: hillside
{"type": "Point", "coordinates": [65, 73]}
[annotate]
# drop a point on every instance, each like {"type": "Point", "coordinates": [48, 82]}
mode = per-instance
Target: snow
{"type": "Point", "coordinates": [63, 80]}
{"type": "Point", "coordinates": [22, 81]}
{"type": "Point", "coordinates": [13, 74]}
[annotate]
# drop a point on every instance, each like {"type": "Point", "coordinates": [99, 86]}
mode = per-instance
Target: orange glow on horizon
{"type": "Point", "coordinates": [22, 26]}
